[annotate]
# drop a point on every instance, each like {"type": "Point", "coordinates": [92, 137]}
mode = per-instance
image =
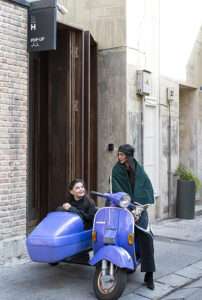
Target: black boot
{"type": "Point", "coordinates": [148, 279]}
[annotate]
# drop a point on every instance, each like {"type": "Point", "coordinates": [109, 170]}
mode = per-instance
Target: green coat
{"type": "Point", "coordinates": [143, 191]}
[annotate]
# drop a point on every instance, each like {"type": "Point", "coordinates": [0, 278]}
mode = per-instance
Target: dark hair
{"type": "Point", "coordinates": [71, 186]}
{"type": "Point", "coordinates": [73, 182]}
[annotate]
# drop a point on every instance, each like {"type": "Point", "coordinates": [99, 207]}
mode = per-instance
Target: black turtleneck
{"type": "Point", "coordinates": [85, 208]}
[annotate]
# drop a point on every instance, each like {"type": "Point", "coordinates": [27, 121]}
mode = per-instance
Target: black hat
{"type": "Point", "coordinates": [127, 149]}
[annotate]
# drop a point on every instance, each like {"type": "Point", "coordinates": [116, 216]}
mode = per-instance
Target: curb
{"type": "Point", "coordinates": [172, 282]}
{"type": "Point", "coordinates": [198, 213]}
{"type": "Point", "coordinates": [179, 287]}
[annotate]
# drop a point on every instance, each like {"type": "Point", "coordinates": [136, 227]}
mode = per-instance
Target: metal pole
{"type": "Point", "coordinates": [169, 158]}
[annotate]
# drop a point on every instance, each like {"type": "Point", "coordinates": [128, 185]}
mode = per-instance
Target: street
{"type": "Point", "coordinates": [178, 252]}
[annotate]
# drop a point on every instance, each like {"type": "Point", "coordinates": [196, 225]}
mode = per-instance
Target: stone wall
{"type": "Point", "coordinates": [13, 129]}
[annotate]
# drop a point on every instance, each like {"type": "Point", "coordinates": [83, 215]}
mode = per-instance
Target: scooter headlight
{"type": "Point", "coordinates": [125, 201]}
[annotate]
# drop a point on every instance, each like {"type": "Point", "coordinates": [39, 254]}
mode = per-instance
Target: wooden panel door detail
{"type": "Point", "coordinates": [65, 115]}
{"type": "Point", "coordinates": [63, 120]}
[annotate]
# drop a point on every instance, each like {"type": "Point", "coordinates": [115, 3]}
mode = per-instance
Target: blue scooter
{"type": "Point", "coordinates": [115, 250]}
{"type": "Point", "coordinates": [61, 236]}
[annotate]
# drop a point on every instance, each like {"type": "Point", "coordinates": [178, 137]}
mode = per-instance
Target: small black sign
{"type": "Point", "coordinates": [42, 29]}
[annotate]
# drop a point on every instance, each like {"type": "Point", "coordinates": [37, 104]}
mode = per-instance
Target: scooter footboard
{"type": "Point", "coordinates": [117, 255]}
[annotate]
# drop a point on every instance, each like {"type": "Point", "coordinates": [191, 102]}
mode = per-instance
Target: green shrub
{"type": "Point", "coordinates": [186, 174]}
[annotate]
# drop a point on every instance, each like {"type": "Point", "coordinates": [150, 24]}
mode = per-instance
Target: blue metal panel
{"type": "Point", "coordinates": [59, 235]}
{"type": "Point", "coordinates": [58, 223]}
{"type": "Point", "coordinates": [116, 220]}
{"type": "Point", "coordinates": [126, 227]}
{"type": "Point", "coordinates": [117, 255]}
{"type": "Point", "coordinates": [52, 250]}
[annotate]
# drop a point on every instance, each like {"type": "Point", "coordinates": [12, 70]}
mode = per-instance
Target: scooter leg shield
{"type": "Point", "coordinates": [117, 255]}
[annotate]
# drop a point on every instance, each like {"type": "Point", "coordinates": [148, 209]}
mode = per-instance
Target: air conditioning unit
{"type": "Point", "coordinates": [170, 94]}
{"type": "Point", "coordinates": [143, 82]}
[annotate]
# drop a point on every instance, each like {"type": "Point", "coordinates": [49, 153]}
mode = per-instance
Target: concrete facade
{"type": "Point", "coordinates": [169, 147]}
{"type": "Point", "coordinates": [121, 29]}
{"type": "Point", "coordinates": [105, 19]}
{"type": "Point", "coordinates": [162, 132]}
{"type": "Point", "coordinates": [13, 129]}
{"type": "Point", "coordinates": [143, 53]}
{"type": "Point", "coordinates": [193, 109]}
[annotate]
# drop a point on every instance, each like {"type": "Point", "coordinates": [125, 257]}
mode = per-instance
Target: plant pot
{"type": "Point", "coordinates": [185, 204]}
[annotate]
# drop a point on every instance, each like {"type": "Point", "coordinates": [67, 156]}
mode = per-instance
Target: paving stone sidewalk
{"type": "Point", "coordinates": [174, 231]}
{"type": "Point", "coordinates": [169, 283]}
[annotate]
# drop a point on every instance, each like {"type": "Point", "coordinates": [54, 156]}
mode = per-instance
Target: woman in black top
{"type": "Point", "coordinates": [79, 203]}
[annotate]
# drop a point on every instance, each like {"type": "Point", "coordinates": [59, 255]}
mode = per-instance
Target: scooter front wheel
{"type": "Point", "coordinates": [106, 287]}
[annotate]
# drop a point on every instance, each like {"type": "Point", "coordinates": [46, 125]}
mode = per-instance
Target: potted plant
{"type": "Point", "coordinates": [187, 186]}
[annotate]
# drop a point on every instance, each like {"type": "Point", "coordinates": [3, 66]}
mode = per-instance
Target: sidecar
{"type": "Point", "coordinates": [59, 236]}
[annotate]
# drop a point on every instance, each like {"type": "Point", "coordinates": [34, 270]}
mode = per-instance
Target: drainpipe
{"type": "Point", "coordinates": [142, 130]}
{"type": "Point", "coordinates": [170, 98]}
{"type": "Point", "coordinates": [169, 158]}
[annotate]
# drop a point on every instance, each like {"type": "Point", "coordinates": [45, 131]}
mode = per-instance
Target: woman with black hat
{"type": "Point", "coordinates": [129, 176]}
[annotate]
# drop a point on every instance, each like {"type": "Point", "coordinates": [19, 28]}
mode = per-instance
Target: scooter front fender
{"type": "Point", "coordinates": [117, 255]}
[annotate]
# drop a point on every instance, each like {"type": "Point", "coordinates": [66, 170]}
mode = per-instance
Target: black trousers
{"type": "Point", "coordinates": [146, 250]}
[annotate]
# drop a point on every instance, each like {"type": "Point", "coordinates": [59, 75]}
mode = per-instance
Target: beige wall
{"type": "Point", "coordinates": [142, 53]}
{"type": "Point", "coordinates": [193, 107]}
{"type": "Point", "coordinates": [105, 19]}
{"type": "Point", "coordinates": [166, 208]}
{"type": "Point", "coordinates": [194, 72]}
{"type": "Point", "coordinates": [188, 120]}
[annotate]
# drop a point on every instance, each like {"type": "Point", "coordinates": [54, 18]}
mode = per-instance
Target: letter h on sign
{"type": "Point", "coordinates": [33, 27]}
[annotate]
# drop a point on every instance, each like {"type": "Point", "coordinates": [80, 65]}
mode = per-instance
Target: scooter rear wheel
{"type": "Point", "coordinates": [111, 290]}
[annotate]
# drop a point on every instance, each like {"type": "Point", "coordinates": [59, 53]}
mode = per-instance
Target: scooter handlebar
{"type": "Point", "coordinates": [136, 204]}
{"type": "Point", "coordinates": [98, 194]}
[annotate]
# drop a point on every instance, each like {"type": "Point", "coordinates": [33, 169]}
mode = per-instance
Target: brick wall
{"type": "Point", "coordinates": [13, 129]}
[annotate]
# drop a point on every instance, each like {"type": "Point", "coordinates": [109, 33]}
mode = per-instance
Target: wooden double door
{"type": "Point", "coordinates": [63, 120]}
